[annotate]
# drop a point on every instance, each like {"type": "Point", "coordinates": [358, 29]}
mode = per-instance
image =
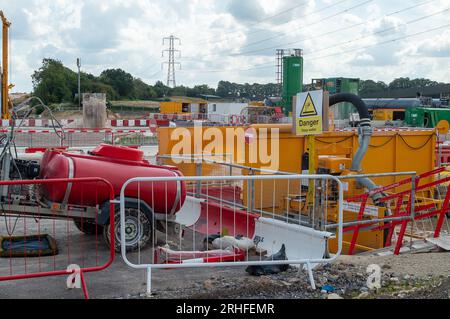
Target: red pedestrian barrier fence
{"type": "Point", "coordinates": [442, 154]}
{"type": "Point", "coordinates": [55, 228]}
{"type": "Point", "coordinates": [421, 201]}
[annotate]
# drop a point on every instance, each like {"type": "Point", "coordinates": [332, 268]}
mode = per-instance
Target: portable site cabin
{"type": "Point", "coordinates": [427, 117]}
{"type": "Point", "coordinates": [226, 108]}
{"type": "Point", "coordinates": [391, 109]}
{"type": "Point", "coordinates": [176, 107]}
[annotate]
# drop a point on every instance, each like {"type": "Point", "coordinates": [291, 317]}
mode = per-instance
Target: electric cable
{"type": "Point", "coordinates": [334, 31]}
{"type": "Point", "coordinates": [271, 17]}
{"type": "Point", "coordinates": [262, 66]}
{"type": "Point", "coordinates": [272, 65]}
{"type": "Point", "coordinates": [382, 43]}
{"type": "Point", "coordinates": [319, 21]}
{"type": "Point", "coordinates": [380, 32]}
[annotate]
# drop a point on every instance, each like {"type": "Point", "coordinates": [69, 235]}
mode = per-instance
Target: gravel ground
{"type": "Point", "coordinates": [421, 276]}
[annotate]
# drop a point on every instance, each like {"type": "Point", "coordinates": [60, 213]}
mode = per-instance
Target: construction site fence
{"type": "Point", "coordinates": [406, 211]}
{"type": "Point", "coordinates": [238, 120]}
{"type": "Point", "coordinates": [80, 138]}
{"type": "Point", "coordinates": [258, 214]}
{"type": "Point", "coordinates": [442, 154]}
{"type": "Point", "coordinates": [369, 224]}
{"type": "Point", "coordinates": [48, 232]}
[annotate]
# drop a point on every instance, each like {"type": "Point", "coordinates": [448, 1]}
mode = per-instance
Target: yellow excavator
{"type": "Point", "coordinates": [5, 101]}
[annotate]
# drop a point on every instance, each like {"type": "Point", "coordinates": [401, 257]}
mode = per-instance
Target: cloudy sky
{"type": "Point", "coordinates": [232, 40]}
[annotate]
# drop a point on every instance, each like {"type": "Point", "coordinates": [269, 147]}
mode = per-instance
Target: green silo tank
{"type": "Point", "coordinates": [292, 80]}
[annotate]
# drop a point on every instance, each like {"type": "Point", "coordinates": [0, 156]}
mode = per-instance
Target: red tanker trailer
{"type": "Point", "coordinates": [117, 165]}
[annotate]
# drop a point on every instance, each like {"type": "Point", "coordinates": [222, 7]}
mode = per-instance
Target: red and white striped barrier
{"type": "Point", "coordinates": [81, 130]}
{"type": "Point", "coordinates": [161, 120]}
{"type": "Point", "coordinates": [33, 123]}
{"type": "Point", "coordinates": [110, 123]}
{"type": "Point", "coordinates": [81, 137]}
{"type": "Point", "coordinates": [387, 129]}
{"type": "Point", "coordinates": [129, 123]}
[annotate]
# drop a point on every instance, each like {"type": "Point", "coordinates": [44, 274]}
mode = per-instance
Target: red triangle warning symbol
{"type": "Point", "coordinates": [309, 109]}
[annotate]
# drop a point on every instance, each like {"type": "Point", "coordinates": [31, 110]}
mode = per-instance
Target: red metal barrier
{"type": "Point", "coordinates": [34, 150]}
{"type": "Point", "coordinates": [215, 218]}
{"type": "Point", "coordinates": [442, 153]}
{"type": "Point", "coordinates": [421, 211]}
{"type": "Point", "coordinates": [232, 194]}
{"type": "Point", "coordinates": [54, 218]}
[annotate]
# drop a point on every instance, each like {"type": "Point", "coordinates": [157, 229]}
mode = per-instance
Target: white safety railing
{"type": "Point", "coordinates": [230, 221]}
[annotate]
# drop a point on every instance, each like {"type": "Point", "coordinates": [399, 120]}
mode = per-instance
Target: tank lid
{"type": "Point", "coordinates": [119, 152]}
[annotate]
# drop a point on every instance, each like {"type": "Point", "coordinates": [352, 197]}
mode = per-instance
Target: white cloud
{"type": "Point", "coordinates": [128, 34]}
{"type": "Point", "coordinates": [249, 10]}
{"type": "Point", "coordinates": [435, 47]}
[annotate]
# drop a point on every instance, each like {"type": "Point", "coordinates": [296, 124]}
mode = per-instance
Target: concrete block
{"type": "Point", "coordinates": [94, 110]}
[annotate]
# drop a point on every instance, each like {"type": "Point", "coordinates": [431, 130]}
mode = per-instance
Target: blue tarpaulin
{"type": "Point", "coordinates": [29, 246]}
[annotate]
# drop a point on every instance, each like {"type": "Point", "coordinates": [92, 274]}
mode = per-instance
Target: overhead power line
{"type": "Point", "coordinates": [251, 67]}
{"type": "Point", "coordinates": [319, 21]}
{"type": "Point", "coordinates": [379, 32]}
{"type": "Point", "coordinates": [382, 43]}
{"type": "Point", "coordinates": [154, 75]}
{"type": "Point", "coordinates": [269, 65]}
{"type": "Point", "coordinates": [261, 66]}
{"type": "Point", "coordinates": [303, 3]}
{"type": "Point", "coordinates": [287, 44]}
{"type": "Point", "coordinates": [303, 16]}
{"type": "Point", "coordinates": [366, 36]}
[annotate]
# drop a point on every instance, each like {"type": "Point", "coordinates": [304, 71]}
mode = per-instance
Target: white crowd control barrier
{"type": "Point", "coordinates": [225, 221]}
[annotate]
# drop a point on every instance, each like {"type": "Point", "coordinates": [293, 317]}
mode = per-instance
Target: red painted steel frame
{"type": "Point", "coordinates": [397, 213]}
{"type": "Point", "coordinates": [82, 270]}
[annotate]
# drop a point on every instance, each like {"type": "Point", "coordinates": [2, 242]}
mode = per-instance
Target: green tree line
{"type": "Point", "coordinates": [367, 87]}
{"type": "Point", "coordinates": [55, 83]}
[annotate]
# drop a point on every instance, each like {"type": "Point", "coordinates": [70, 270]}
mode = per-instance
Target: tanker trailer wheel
{"type": "Point", "coordinates": [138, 230]}
{"type": "Point", "coordinates": [88, 227]}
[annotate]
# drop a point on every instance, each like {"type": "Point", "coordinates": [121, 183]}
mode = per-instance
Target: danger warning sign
{"type": "Point", "coordinates": [308, 115]}
{"type": "Point", "coordinates": [309, 109]}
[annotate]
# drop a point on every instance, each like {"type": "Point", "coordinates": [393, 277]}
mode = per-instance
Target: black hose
{"type": "Point", "coordinates": [365, 135]}
{"type": "Point", "coordinates": [357, 102]}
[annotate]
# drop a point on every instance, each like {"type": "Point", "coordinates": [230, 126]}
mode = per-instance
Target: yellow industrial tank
{"type": "Point", "coordinates": [389, 151]}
